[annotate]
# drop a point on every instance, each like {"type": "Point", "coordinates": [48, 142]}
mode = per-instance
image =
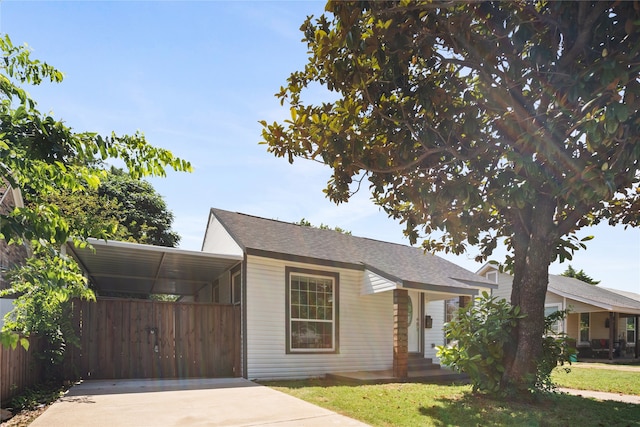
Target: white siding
{"type": "Point", "coordinates": [434, 336]}
{"type": "Point", "coordinates": [373, 283]}
{"type": "Point", "coordinates": [218, 241]}
{"type": "Point", "coordinates": [365, 325]}
{"type": "Point", "coordinates": [580, 307]}
{"type": "Point", "coordinates": [551, 298]}
{"type": "Point", "coordinates": [505, 284]}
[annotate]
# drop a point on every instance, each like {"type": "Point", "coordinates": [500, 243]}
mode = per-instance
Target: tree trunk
{"type": "Point", "coordinates": [533, 243]}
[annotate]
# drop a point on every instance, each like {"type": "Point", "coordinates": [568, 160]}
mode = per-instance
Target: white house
{"type": "Point", "coordinates": [318, 301]}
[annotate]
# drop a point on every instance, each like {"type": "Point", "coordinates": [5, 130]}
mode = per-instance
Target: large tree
{"type": "Point", "coordinates": [40, 155]}
{"type": "Point", "coordinates": [485, 121]}
{"type": "Point", "coordinates": [128, 209]}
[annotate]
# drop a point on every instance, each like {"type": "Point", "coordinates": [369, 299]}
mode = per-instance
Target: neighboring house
{"type": "Point", "coordinates": [10, 255]}
{"type": "Point", "coordinates": [603, 322]}
{"type": "Point", "coordinates": [317, 301]}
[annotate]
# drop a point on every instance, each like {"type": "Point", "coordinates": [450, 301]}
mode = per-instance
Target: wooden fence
{"type": "Point", "coordinates": [152, 339]}
{"type": "Point", "coordinates": [18, 369]}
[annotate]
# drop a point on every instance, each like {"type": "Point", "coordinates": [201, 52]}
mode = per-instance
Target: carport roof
{"type": "Point", "coordinates": [134, 268]}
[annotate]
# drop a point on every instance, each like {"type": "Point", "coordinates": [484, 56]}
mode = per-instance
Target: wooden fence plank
{"type": "Point", "coordinates": [18, 369]}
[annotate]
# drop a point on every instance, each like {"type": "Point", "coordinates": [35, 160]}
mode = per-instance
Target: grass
{"type": "Point", "coordinates": [599, 379]}
{"type": "Point", "coordinates": [413, 404]}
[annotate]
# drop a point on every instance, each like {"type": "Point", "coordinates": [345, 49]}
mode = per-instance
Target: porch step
{"type": "Point", "coordinates": [417, 363]}
{"type": "Point", "coordinates": [439, 376]}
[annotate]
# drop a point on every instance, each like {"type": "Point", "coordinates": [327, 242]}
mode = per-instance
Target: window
{"type": "Point", "coordinates": [548, 311]}
{"type": "Point", "coordinates": [451, 307]}
{"type": "Point", "coordinates": [236, 288]}
{"type": "Point", "coordinates": [631, 329]}
{"type": "Point", "coordinates": [312, 311]}
{"type": "Point", "coordinates": [584, 327]}
{"type": "Point", "coordinates": [492, 276]}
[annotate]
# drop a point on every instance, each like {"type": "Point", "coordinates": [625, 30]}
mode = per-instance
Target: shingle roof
{"type": "Point", "coordinates": [569, 286]}
{"type": "Point", "coordinates": [393, 261]}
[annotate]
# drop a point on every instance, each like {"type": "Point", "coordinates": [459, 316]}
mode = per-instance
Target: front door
{"type": "Point", "coordinates": [414, 324]}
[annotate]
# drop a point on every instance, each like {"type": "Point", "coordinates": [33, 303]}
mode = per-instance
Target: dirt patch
{"type": "Point", "coordinates": [24, 417]}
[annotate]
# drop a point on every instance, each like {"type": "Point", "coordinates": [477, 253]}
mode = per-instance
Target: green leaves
{"type": "Point", "coordinates": [434, 101]}
{"type": "Point", "coordinates": [480, 332]}
{"type": "Point", "coordinates": [42, 156]}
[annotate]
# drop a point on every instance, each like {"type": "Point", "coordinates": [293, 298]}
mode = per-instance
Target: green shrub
{"type": "Point", "coordinates": [557, 349]}
{"type": "Point", "coordinates": [478, 335]}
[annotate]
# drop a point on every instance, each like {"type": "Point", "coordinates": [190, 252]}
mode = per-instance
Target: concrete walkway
{"type": "Point", "coordinates": [601, 395]}
{"type": "Point", "coordinates": [193, 402]}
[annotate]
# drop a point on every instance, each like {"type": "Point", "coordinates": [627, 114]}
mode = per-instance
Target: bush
{"type": "Point", "coordinates": [557, 349]}
{"type": "Point", "coordinates": [478, 336]}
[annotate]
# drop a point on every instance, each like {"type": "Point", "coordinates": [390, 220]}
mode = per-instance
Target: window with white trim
{"type": "Point", "coordinates": [631, 330]}
{"type": "Point", "coordinates": [549, 309]}
{"type": "Point", "coordinates": [312, 311]}
{"type": "Point", "coordinates": [492, 276]}
{"type": "Point", "coordinates": [451, 307]}
{"type": "Point", "coordinates": [584, 327]}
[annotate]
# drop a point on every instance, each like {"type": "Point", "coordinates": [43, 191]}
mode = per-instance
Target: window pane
{"type": "Point", "coordinates": [312, 298]}
{"type": "Point", "coordinates": [451, 307]}
{"type": "Point", "coordinates": [311, 335]}
{"type": "Point", "coordinates": [584, 327]}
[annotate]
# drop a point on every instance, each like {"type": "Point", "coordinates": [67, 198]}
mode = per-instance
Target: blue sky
{"type": "Point", "coordinates": [196, 77]}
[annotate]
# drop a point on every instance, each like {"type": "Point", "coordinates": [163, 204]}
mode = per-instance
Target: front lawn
{"type": "Point", "coordinates": [413, 404]}
{"type": "Point", "coordinates": [599, 378]}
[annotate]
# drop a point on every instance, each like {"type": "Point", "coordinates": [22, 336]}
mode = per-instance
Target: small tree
{"type": "Point", "coordinates": [41, 155]}
{"type": "Point", "coordinates": [306, 223]}
{"type": "Point", "coordinates": [580, 275]}
{"type": "Point", "coordinates": [42, 288]}
{"type": "Point", "coordinates": [479, 334]}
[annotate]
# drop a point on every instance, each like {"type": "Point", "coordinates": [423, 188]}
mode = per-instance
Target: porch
{"type": "Point", "coordinates": [419, 370]}
{"type": "Point", "coordinates": [602, 335]}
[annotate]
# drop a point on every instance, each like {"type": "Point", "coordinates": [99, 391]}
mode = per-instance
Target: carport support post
{"type": "Point", "coordinates": [400, 333]}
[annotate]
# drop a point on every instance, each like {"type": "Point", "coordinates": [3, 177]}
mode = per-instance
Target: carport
{"type": "Point", "coordinates": [133, 268]}
{"type": "Point", "coordinates": [126, 335]}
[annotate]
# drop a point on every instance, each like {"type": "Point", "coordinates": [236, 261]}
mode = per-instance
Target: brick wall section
{"type": "Point", "coordinates": [400, 333]}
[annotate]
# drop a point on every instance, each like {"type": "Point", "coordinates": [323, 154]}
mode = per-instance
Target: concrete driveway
{"type": "Point", "coordinates": [192, 402]}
